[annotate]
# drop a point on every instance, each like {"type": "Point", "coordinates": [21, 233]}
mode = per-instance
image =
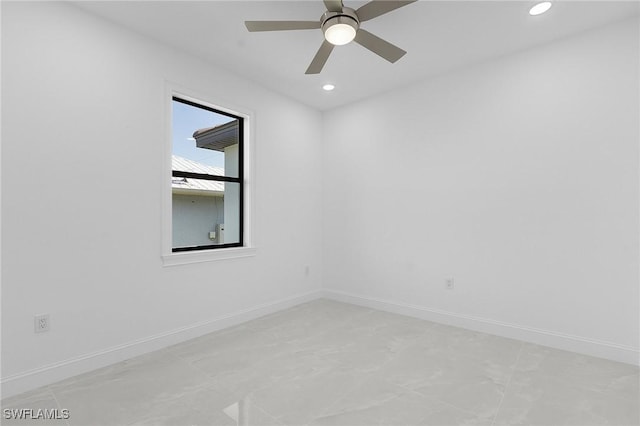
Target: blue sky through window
{"type": "Point", "coordinates": [186, 120]}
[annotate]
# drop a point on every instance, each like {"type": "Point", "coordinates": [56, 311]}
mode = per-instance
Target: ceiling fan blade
{"type": "Point", "coordinates": [253, 26]}
{"type": "Point", "coordinates": [333, 5]}
{"type": "Point", "coordinates": [373, 9]}
{"type": "Point", "coordinates": [320, 59]}
{"type": "Point", "coordinates": [379, 46]}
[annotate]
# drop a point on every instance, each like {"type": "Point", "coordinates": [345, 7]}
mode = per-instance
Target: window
{"type": "Point", "coordinates": [207, 179]}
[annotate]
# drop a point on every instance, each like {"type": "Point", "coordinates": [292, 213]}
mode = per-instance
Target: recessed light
{"type": "Point", "coordinates": [328, 87]}
{"type": "Point", "coordinates": [540, 8]}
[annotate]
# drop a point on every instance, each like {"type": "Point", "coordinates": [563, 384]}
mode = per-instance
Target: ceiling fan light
{"type": "Point", "coordinates": [540, 8]}
{"type": "Point", "coordinates": [340, 30]}
{"type": "Point", "coordinates": [340, 34]}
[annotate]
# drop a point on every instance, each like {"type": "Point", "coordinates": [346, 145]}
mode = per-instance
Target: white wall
{"type": "Point", "coordinates": [82, 139]}
{"type": "Point", "coordinates": [517, 177]}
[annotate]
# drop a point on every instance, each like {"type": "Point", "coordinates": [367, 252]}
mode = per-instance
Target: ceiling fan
{"type": "Point", "coordinates": [341, 25]}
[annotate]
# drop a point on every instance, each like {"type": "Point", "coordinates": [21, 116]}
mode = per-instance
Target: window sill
{"type": "Point", "coordinates": [184, 258]}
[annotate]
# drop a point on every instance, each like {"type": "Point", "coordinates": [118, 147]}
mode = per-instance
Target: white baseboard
{"type": "Point", "coordinates": [552, 339]}
{"type": "Point", "coordinates": [23, 382]}
{"type": "Point", "coordinates": [29, 380]}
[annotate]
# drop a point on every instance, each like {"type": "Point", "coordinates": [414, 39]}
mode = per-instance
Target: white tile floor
{"type": "Point", "coordinates": [328, 363]}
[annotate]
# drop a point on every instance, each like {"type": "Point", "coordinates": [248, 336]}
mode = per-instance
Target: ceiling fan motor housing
{"type": "Point", "coordinates": [340, 27]}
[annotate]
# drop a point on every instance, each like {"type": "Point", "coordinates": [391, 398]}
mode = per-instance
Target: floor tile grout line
{"type": "Point", "coordinates": [210, 382]}
{"type": "Point", "coordinates": [464, 410]}
{"type": "Point", "coordinates": [562, 376]}
{"type": "Point", "coordinates": [341, 324]}
{"type": "Point", "coordinates": [506, 388]}
{"type": "Point", "coordinates": [448, 404]}
{"type": "Point", "coordinates": [55, 398]}
{"type": "Point", "coordinates": [435, 398]}
{"type": "Point", "coordinates": [324, 413]}
{"type": "Point", "coordinates": [416, 391]}
{"type": "Point", "coordinates": [268, 413]}
{"type": "Point", "coordinates": [369, 375]}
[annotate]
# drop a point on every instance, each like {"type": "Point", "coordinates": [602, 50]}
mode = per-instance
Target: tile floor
{"type": "Point", "coordinates": [329, 363]}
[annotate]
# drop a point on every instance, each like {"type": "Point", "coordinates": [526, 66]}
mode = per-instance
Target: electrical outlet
{"type": "Point", "coordinates": [41, 323]}
{"type": "Point", "coordinates": [448, 283]}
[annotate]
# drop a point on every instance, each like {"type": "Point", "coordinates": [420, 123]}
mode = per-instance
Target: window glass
{"type": "Point", "coordinates": [206, 182]}
{"type": "Point", "coordinates": [205, 138]}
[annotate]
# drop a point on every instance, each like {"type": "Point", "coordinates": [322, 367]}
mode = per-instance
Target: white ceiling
{"type": "Point", "coordinates": [438, 36]}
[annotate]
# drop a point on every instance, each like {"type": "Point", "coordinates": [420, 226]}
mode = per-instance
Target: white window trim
{"type": "Point", "coordinates": [170, 258]}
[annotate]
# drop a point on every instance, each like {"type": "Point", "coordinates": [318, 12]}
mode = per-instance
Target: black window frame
{"type": "Point", "coordinates": [239, 179]}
